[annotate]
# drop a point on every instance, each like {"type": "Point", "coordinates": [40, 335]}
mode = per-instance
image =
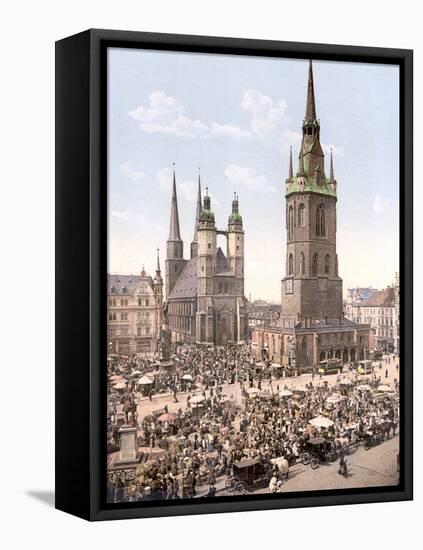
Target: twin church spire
{"type": "Point", "coordinates": [203, 211]}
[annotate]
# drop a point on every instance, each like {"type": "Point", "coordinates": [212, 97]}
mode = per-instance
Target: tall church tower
{"type": "Point", "coordinates": [311, 288]}
{"type": "Point", "coordinates": [174, 245]}
{"type": "Point", "coordinates": [207, 237]}
{"type": "Point", "coordinates": [235, 250]}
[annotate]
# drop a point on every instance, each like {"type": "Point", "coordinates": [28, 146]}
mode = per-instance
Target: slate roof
{"type": "Point", "coordinates": [186, 285]}
{"type": "Point", "coordinates": [382, 298]}
{"type": "Point", "coordinates": [221, 262]}
{"type": "Point", "coordinates": [360, 295]}
{"type": "Point", "coordinates": [125, 284]}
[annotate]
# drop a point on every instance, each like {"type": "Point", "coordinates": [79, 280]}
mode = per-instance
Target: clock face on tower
{"type": "Point", "coordinates": [289, 286]}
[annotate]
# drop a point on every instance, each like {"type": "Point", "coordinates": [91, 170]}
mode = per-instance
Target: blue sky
{"type": "Point", "coordinates": [235, 117]}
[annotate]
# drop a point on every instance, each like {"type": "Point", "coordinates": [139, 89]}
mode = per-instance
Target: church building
{"type": "Point", "coordinates": [205, 294]}
{"type": "Point", "coordinates": [311, 327]}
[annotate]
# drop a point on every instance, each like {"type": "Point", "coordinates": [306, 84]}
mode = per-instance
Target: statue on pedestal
{"type": "Point", "coordinates": [129, 407]}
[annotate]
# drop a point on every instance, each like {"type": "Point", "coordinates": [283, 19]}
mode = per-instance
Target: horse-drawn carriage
{"type": "Point", "coordinates": [317, 450]}
{"type": "Point", "coordinates": [248, 474]}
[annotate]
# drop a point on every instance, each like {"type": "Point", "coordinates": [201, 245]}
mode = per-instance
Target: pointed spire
{"type": "Point", "coordinates": [158, 261]}
{"type": "Point", "coordinates": [194, 243]}
{"type": "Point", "coordinates": [331, 166]}
{"type": "Point", "coordinates": [290, 172]}
{"type": "Point", "coordinates": [198, 209]}
{"type": "Point", "coordinates": [174, 232]}
{"type": "Point", "coordinates": [311, 104]}
{"type": "Point", "coordinates": [206, 202]}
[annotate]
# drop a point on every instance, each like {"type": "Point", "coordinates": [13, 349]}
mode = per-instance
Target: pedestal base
{"type": "Point", "coordinates": [128, 444]}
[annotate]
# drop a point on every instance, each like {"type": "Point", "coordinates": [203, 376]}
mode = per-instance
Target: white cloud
{"type": "Point", "coordinates": [248, 177]}
{"type": "Point", "coordinates": [267, 116]}
{"type": "Point", "coordinates": [166, 115]}
{"type": "Point", "coordinates": [130, 172]}
{"type": "Point", "coordinates": [228, 130]}
{"type": "Point", "coordinates": [380, 203]}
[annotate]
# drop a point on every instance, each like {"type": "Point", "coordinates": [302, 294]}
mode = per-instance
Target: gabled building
{"type": "Point", "coordinates": [134, 312]}
{"type": "Point", "coordinates": [205, 294]}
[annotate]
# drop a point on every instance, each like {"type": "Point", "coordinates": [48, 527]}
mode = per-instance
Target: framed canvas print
{"type": "Point", "coordinates": [234, 274]}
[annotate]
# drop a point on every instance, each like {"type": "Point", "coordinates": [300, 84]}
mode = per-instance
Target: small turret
{"type": "Point", "coordinates": [206, 213]}
{"type": "Point", "coordinates": [235, 217]}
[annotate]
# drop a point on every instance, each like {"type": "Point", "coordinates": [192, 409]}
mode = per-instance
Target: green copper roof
{"type": "Point", "coordinates": [311, 186]}
{"type": "Point", "coordinates": [206, 216]}
{"type": "Point", "coordinates": [235, 218]}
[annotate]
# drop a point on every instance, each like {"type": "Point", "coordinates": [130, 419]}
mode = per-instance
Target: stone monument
{"type": "Point", "coordinates": [128, 448]}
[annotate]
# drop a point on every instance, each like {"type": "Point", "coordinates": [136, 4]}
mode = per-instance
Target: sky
{"type": "Point", "coordinates": [234, 118]}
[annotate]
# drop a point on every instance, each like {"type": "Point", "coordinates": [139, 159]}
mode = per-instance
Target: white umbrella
{"type": "Point", "coordinates": [252, 391]}
{"type": "Point", "coordinates": [197, 399]}
{"type": "Point", "coordinates": [321, 422]}
{"type": "Point", "coordinates": [333, 399]}
{"type": "Point", "coordinates": [187, 377]}
{"type": "Point", "coordinates": [285, 393]}
{"type": "Point", "coordinates": [345, 382]}
{"type": "Point", "coordinates": [144, 381]}
{"type": "Point", "coordinates": [120, 386]}
{"type": "Point", "coordinates": [364, 387]}
{"type": "Point", "coordinates": [384, 388]}
{"type": "Point", "coordinates": [302, 389]}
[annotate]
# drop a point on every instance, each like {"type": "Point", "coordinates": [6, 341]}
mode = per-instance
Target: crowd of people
{"type": "Point", "coordinates": [195, 447]}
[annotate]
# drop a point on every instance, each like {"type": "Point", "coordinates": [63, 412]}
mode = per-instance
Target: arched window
{"type": "Point", "coordinates": [291, 264]}
{"type": "Point", "coordinates": [290, 222]}
{"type": "Point", "coordinates": [315, 264]}
{"type": "Point", "coordinates": [301, 211]}
{"type": "Point", "coordinates": [327, 264]}
{"type": "Point", "coordinates": [302, 263]}
{"type": "Point", "coordinates": [320, 221]}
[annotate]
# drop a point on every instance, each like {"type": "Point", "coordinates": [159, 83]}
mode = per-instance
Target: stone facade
{"type": "Point", "coordinates": [134, 312]}
{"type": "Point", "coordinates": [311, 327]}
{"type": "Point", "coordinates": [379, 311]}
{"type": "Point", "coordinates": [205, 294]}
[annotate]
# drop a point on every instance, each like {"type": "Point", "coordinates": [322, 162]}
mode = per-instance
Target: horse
{"type": "Point", "coordinates": [282, 465]}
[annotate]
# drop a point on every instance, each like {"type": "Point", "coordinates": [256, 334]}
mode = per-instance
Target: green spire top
{"type": "Point", "coordinates": [206, 213]}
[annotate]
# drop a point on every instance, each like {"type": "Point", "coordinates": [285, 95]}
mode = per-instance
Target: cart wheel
{"type": "Point", "coordinates": [305, 459]}
{"type": "Point", "coordinates": [315, 463]}
{"type": "Point", "coordinates": [229, 482]}
{"type": "Point", "coordinates": [331, 456]}
{"type": "Point", "coordinates": [240, 488]}
{"type": "Point", "coordinates": [367, 444]}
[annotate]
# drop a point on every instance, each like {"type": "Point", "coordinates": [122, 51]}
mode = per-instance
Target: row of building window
{"type": "Point", "coordinates": [124, 331]}
{"type": "Point", "coordinates": [320, 220]}
{"type": "Point", "coordinates": [124, 316]}
{"type": "Point", "coordinates": [314, 264]}
{"type": "Point", "coordinates": [124, 302]}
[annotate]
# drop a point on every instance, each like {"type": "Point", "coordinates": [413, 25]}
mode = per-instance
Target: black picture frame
{"type": "Point", "coordinates": [81, 238]}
